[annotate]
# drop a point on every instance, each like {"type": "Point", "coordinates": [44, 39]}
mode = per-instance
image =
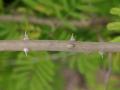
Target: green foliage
{"type": "Point", "coordinates": [115, 11]}
{"type": "Point", "coordinates": [1, 6]}
{"type": "Point", "coordinates": [80, 61]}
{"type": "Point", "coordinates": [114, 26]}
{"type": "Point", "coordinates": [43, 70]}
{"type": "Point", "coordinates": [31, 73]}
{"type": "Point", "coordinates": [116, 39]}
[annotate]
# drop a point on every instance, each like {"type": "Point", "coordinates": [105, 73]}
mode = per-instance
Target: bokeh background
{"type": "Point", "coordinates": [88, 20]}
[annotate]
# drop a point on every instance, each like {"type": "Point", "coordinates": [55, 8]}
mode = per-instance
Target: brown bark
{"type": "Point", "coordinates": [55, 45]}
{"type": "Point", "coordinates": [100, 21]}
{"type": "Point", "coordinates": [74, 80]}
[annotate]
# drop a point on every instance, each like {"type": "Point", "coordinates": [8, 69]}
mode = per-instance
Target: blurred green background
{"type": "Point", "coordinates": [45, 70]}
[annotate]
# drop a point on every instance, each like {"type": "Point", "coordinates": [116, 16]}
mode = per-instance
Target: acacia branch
{"type": "Point", "coordinates": [54, 45]}
{"type": "Point", "coordinates": [54, 22]}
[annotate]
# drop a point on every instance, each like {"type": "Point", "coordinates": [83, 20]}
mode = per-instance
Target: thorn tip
{"type": "Point", "coordinates": [72, 38]}
{"type": "Point", "coordinates": [26, 36]}
{"type": "Point", "coordinates": [26, 51]}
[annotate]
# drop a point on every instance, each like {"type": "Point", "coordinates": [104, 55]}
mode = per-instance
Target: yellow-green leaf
{"type": "Point", "coordinates": [115, 11]}
{"type": "Point", "coordinates": [114, 26]}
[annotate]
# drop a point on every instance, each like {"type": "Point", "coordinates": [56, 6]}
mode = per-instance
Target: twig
{"type": "Point", "coordinates": [54, 22]}
{"type": "Point", "coordinates": [107, 78]}
{"type": "Point", "coordinates": [73, 80]}
{"type": "Point", "coordinates": [55, 45]}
